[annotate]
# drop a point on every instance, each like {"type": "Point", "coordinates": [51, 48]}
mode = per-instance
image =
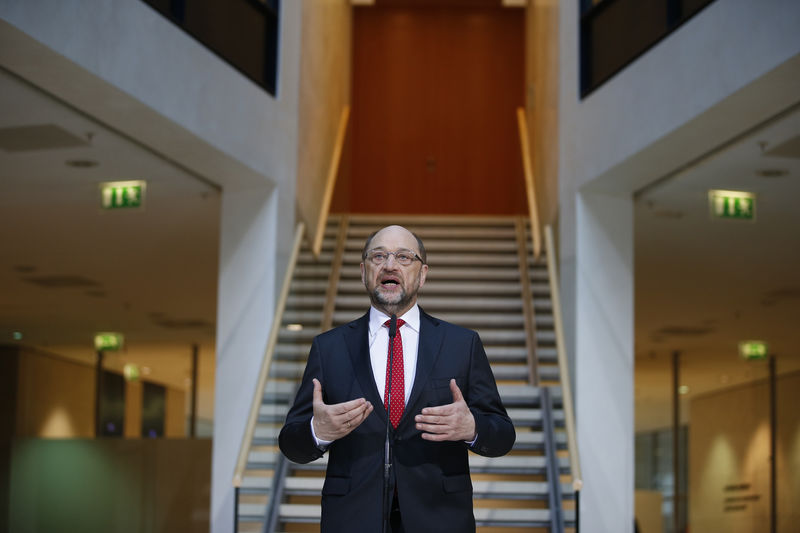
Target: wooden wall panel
{"type": "Point", "coordinates": [433, 126]}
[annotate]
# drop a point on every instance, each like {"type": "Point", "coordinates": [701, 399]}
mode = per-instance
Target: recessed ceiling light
{"type": "Point", "coordinates": [772, 172]}
{"type": "Point", "coordinates": [294, 327]}
{"type": "Point", "coordinates": [17, 335]}
{"type": "Point", "coordinates": [81, 163]}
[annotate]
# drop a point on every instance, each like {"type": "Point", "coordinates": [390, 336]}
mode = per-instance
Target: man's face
{"type": "Point", "coordinates": [392, 287]}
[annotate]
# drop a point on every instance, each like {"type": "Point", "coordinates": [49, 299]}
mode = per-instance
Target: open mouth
{"type": "Point", "coordinates": [389, 282]}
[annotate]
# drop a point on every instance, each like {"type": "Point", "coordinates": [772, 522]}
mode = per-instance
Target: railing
{"type": "Point", "coordinates": [336, 270]}
{"type": "Point", "coordinates": [563, 364]}
{"type": "Point", "coordinates": [244, 449]}
{"type": "Point", "coordinates": [528, 310]}
{"type": "Point", "coordinates": [333, 170]}
{"type": "Point", "coordinates": [530, 185]}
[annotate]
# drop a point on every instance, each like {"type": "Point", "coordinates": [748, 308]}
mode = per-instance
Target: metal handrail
{"type": "Point", "coordinates": [563, 364]}
{"type": "Point", "coordinates": [553, 467]}
{"type": "Point", "coordinates": [252, 419]}
{"type": "Point", "coordinates": [330, 182]}
{"type": "Point", "coordinates": [530, 185]}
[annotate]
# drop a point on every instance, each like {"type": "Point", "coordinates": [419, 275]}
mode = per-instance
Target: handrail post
{"type": "Point", "coordinates": [530, 183]}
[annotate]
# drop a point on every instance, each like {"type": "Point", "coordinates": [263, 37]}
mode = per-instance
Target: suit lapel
{"type": "Point", "coordinates": [430, 344]}
{"type": "Point", "coordinates": [356, 338]}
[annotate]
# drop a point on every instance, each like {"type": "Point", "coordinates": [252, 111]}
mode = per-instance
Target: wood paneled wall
{"type": "Point", "coordinates": [433, 126]}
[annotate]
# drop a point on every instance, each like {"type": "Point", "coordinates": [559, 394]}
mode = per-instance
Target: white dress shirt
{"type": "Point", "coordinates": [379, 347]}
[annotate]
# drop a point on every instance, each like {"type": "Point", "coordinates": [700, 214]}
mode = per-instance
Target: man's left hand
{"type": "Point", "coordinates": [453, 421]}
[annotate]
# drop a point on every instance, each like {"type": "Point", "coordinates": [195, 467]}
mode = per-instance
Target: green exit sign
{"type": "Point", "coordinates": [122, 194]}
{"type": "Point", "coordinates": [732, 204]}
{"type": "Point", "coordinates": [753, 350]}
{"type": "Point", "coordinates": [107, 341]}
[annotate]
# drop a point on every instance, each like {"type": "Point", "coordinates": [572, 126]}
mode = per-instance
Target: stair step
{"type": "Point", "coordinates": [303, 316]}
{"type": "Point", "coordinates": [277, 390]}
{"type": "Point", "coordinates": [272, 412]}
{"type": "Point", "coordinates": [484, 517]}
{"type": "Point", "coordinates": [506, 231]}
{"type": "Point", "coordinates": [506, 353]}
{"type": "Point", "coordinates": [487, 517]}
{"type": "Point", "coordinates": [533, 417]}
{"type": "Point", "coordinates": [351, 259]}
{"type": "Point", "coordinates": [515, 464]}
{"type": "Point", "coordinates": [435, 246]}
{"type": "Point", "coordinates": [511, 372]}
{"type": "Point", "coordinates": [312, 486]}
{"type": "Point", "coordinates": [304, 301]}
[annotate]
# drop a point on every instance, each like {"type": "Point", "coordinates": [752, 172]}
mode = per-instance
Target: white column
{"type": "Point", "coordinates": [245, 306]}
{"type": "Point", "coordinates": [604, 360]}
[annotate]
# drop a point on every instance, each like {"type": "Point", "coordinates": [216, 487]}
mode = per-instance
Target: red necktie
{"type": "Point", "coordinates": [397, 385]}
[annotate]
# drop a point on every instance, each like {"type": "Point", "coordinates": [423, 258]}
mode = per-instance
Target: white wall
{"type": "Point", "coordinates": [716, 76]}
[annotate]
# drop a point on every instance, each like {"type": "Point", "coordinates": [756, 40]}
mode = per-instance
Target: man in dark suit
{"type": "Point", "coordinates": [444, 403]}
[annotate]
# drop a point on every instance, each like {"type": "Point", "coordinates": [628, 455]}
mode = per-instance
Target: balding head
{"type": "Point", "coordinates": [419, 249]}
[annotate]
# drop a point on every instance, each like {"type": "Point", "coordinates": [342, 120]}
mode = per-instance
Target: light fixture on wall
{"type": "Point", "coordinates": [131, 372]}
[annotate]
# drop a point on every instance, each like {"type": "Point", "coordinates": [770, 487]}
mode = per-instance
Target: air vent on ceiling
{"type": "Point", "coordinates": [61, 282]}
{"type": "Point", "coordinates": [39, 137]}
{"type": "Point", "coordinates": [778, 295]}
{"type": "Point", "coordinates": [790, 148]}
{"type": "Point", "coordinates": [684, 331]}
{"type": "Point", "coordinates": [183, 323]}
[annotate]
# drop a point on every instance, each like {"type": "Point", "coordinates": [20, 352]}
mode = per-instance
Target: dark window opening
{"type": "Point", "coordinates": [244, 33]}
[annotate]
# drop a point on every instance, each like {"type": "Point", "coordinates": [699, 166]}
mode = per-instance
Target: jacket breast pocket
{"type": "Point", "coordinates": [440, 389]}
{"type": "Point", "coordinates": [336, 486]}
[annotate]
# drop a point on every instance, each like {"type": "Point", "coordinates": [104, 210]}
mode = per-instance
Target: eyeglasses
{"type": "Point", "coordinates": [403, 257]}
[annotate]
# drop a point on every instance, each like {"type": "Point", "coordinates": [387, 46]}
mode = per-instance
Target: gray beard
{"type": "Point", "coordinates": [381, 302]}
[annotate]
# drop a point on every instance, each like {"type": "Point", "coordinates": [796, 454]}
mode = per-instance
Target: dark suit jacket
{"type": "Point", "coordinates": [434, 489]}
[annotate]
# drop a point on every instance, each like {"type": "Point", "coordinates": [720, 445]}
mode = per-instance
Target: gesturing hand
{"type": "Point", "coordinates": [453, 421]}
{"type": "Point", "coordinates": [335, 421]}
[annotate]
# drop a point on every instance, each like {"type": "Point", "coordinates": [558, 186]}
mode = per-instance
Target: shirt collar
{"type": "Point", "coordinates": [377, 319]}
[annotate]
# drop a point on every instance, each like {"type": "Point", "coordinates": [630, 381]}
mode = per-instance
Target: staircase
{"type": "Point", "coordinates": [476, 279]}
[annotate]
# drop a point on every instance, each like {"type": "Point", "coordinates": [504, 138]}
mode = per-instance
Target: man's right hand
{"type": "Point", "coordinates": [332, 422]}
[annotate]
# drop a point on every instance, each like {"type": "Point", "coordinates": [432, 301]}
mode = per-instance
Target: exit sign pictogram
{"type": "Point", "coordinates": [732, 204]}
{"type": "Point", "coordinates": [122, 194]}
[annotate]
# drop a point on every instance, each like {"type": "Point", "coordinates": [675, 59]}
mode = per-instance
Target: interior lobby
{"type": "Point", "coordinates": [258, 117]}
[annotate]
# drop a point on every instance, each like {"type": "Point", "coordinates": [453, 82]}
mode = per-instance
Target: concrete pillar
{"type": "Point", "coordinates": [245, 306]}
{"type": "Point", "coordinates": [604, 324]}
